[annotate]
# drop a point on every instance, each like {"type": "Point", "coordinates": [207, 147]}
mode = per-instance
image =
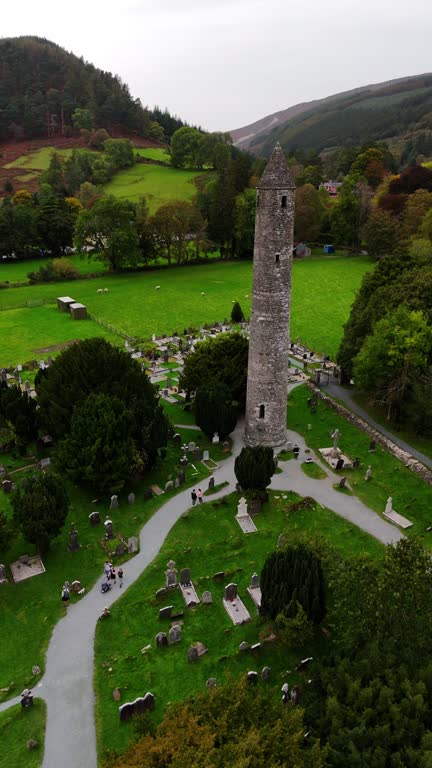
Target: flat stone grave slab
{"type": "Point", "coordinates": [21, 571]}
{"type": "Point", "coordinates": [333, 460]}
{"type": "Point", "coordinates": [236, 610]}
{"type": "Point", "coordinates": [157, 378]}
{"type": "Point", "coordinates": [246, 523]}
{"type": "Point", "coordinates": [209, 464]}
{"type": "Point", "coordinates": [255, 593]}
{"type": "Point", "coordinates": [156, 490]}
{"type": "Point", "coordinates": [169, 398]}
{"type": "Point", "coordinates": [398, 519]}
{"type": "Point", "coordinates": [189, 595]}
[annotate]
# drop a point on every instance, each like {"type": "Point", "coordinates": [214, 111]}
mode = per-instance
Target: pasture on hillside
{"type": "Point", "coordinates": [322, 294]}
{"type": "Point", "coordinates": [38, 160]}
{"type": "Point", "coordinates": [154, 153]}
{"type": "Point", "coordinates": [157, 183]}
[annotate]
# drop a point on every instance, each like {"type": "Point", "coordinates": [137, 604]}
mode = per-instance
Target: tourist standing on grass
{"type": "Point", "coordinates": [194, 497]}
{"type": "Point", "coordinates": [199, 494]}
{"type": "Point", "coordinates": [120, 575]}
{"type": "Point", "coordinates": [65, 596]}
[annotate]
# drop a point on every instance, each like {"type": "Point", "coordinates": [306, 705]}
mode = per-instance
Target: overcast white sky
{"type": "Point", "coordinates": [225, 63]}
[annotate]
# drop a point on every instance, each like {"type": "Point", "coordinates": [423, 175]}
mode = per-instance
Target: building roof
{"type": "Point", "coordinates": [276, 174]}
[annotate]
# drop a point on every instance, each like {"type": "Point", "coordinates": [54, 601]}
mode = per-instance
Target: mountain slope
{"type": "Point", "coordinates": [41, 85]}
{"type": "Point", "coordinates": [395, 110]}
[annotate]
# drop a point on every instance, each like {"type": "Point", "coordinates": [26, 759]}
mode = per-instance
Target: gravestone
{"type": "Point", "coordinates": [3, 579]}
{"type": "Point", "coordinates": [340, 464]}
{"type": "Point", "coordinates": [161, 639]}
{"type": "Point", "coordinates": [255, 506]}
{"type": "Point", "coordinates": [211, 682]}
{"type": "Point", "coordinates": [108, 529]}
{"type": "Point", "coordinates": [207, 597]}
{"type": "Point", "coordinates": [161, 593]}
{"type": "Point", "coordinates": [165, 613]}
{"type": "Point", "coordinates": [192, 654]}
{"type": "Point", "coordinates": [2, 470]}
{"type": "Point", "coordinates": [219, 577]}
{"type": "Point", "coordinates": [197, 454]}
{"type": "Point", "coordinates": [120, 550]}
{"type": "Point", "coordinates": [74, 544]}
{"type": "Point", "coordinates": [27, 386]}
{"type": "Point", "coordinates": [368, 475]}
{"type": "Point", "coordinates": [116, 694]}
{"type": "Point", "coordinates": [281, 541]}
{"type": "Point", "coordinates": [252, 677]}
{"type": "Point", "coordinates": [242, 509]}
{"type": "Point", "coordinates": [372, 446]}
{"type": "Point", "coordinates": [265, 673]}
{"type": "Point", "coordinates": [177, 438]}
{"type": "Point", "coordinates": [255, 647]}
{"type": "Point", "coordinates": [148, 494]}
{"type": "Point", "coordinates": [133, 545]}
{"type": "Point", "coordinates": [171, 578]}
{"type": "Point", "coordinates": [174, 635]}
{"type": "Point", "coordinates": [176, 482]}
{"type": "Point", "coordinates": [185, 577]}
{"type": "Point", "coordinates": [230, 591]}
{"type": "Point", "coordinates": [181, 477]}
{"type": "Point", "coordinates": [206, 456]}
{"type": "Point", "coordinates": [184, 461]}
{"type": "Point", "coordinates": [254, 581]}
{"type": "Point", "coordinates": [342, 482]}
{"type": "Point", "coordinates": [356, 463]}
{"type": "Point", "coordinates": [126, 711]}
{"type": "Point", "coordinates": [131, 498]}
{"type": "Point", "coordinates": [191, 446]}
{"type": "Point", "coordinates": [169, 486]}
{"type": "Point", "coordinates": [94, 518]}
{"type": "Point", "coordinates": [211, 483]}
{"type": "Point", "coordinates": [215, 438]}
{"type": "Point", "coordinates": [244, 646]}
{"type": "Point", "coordinates": [114, 502]}
{"type": "Point", "coordinates": [7, 486]}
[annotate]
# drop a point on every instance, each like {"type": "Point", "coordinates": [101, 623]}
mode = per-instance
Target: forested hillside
{"type": "Point", "coordinates": [42, 86]}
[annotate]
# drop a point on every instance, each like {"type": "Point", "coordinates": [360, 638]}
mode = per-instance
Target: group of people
{"type": "Point", "coordinates": [111, 575]}
{"type": "Point", "coordinates": [197, 495]}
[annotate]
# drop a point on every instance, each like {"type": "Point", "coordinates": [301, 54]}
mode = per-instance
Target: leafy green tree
{"type": "Point", "coordinates": [309, 212]}
{"type": "Point", "coordinates": [146, 240]}
{"type": "Point", "coordinates": [99, 450]}
{"type": "Point", "coordinates": [19, 412]}
{"type": "Point", "coordinates": [40, 506]}
{"type": "Point", "coordinates": [350, 211]}
{"type": "Point", "coordinates": [237, 315]}
{"type": "Point", "coordinates": [120, 153]}
{"type": "Point", "coordinates": [83, 118]}
{"type": "Point", "coordinates": [292, 575]}
{"type": "Point", "coordinates": [254, 468]}
{"type": "Point", "coordinates": [381, 234]}
{"type": "Point", "coordinates": [417, 206]}
{"type": "Point", "coordinates": [420, 407]}
{"type": "Point", "coordinates": [222, 359]}
{"type": "Point", "coordinates": [244, 222]}
{"type": "Point", "coordinates": [185, 145]}
{"type": "Point", "coordinates": [295, 629]}
{"type": "Point", "coordinates": [54, 175]}
{"type": "Point", "coordinates": [108, 228]}
{"type": "Point", "coordinates": [215, 410]}
{"type": "Point", "coordinates": [172, 225]}
{"type": "Point", "coordinates": [54, 221]}
{"type": "Point", "coordinates": [392, 356]}
{"type": "Point", "coordinates": [91, 367]}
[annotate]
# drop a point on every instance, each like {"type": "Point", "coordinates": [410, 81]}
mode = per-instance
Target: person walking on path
{"type": "Point", "coordinates": [194, 497]}
{"type": "Point", "coordinates": [107, 569]}
{"type": "Point", "coordinates": [113, 574]}
{"type": "Point", "coordinates": [200, 496]}
{"type": "Point", "coordinates": [120, 575]}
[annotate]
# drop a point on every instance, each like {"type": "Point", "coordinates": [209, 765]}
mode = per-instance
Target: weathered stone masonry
{"type": "Point", "coordinates": [267, 384]}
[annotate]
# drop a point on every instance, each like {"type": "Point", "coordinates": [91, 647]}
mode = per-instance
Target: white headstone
{"type": "Point", "coordinates": [215, 439]}
{"type": "Point", "coordinates": [242, 509]}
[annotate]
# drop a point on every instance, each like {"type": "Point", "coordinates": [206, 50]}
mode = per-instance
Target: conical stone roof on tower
{"type": "Point", "coordinates": [267, 385]}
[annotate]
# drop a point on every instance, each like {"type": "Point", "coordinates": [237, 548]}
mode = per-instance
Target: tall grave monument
{"type": "Point", "coordinates": [267, 383]}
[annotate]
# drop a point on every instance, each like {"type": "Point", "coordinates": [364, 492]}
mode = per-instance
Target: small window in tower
{"type": "Point", "coordinates": [284, 201]}
{"type": "Point", "coordinates": [257, 201]}
{"type": "Point", "coordinates": [277, 259]}
{"type": "Point", "coordinates": [262, 412]}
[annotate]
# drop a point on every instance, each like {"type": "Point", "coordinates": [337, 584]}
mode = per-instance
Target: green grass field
{"type": "Point", "coordinates": [157, 183]}
{"type": "Point", "coordinates": [30, 609]}
{"type": "Point", "coordinates": [411, 495]}
{"type": "Point", "coordinates": [321, 298]}
{"type": "Point", "coordinates": [38, 160]}
{"type": "Point", "coordinates": [208, 541]}
{"type": "Point", "coordinates": [17, 271]}
{"type": "Point", "coordinates": [151, 153]}
{"type": "Point", "coordinates": [17, 727]}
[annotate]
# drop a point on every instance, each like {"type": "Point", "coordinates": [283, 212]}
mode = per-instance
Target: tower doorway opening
{"type": "Point", "coordinates": [261, 411]}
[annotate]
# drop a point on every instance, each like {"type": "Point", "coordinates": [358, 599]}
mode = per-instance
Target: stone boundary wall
{"type": "Point", "coordinates": [409, 461]}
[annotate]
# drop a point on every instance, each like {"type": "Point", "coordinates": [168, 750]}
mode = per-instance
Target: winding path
{"type": "Point", "coordinates": [67, 685]}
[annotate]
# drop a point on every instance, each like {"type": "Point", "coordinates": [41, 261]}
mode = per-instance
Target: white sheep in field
{"type": "Point", "coordinates": [99, 290]}
{"type": "Point", "coordinates": [157, 287]}
{"type": "Point", "coordinates": [106, 290]}
{"type": "Point", "coordinates": [202, 293]}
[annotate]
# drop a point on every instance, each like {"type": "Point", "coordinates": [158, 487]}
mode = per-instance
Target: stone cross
{"type": "Point", "coordinates": [215, 438]}
{"type": "Point", "coordinates": [336, 436]}
{"type": "Point", "coordinates": [242, 509]}
{"type": "Point", "coordinates": [171, 577]}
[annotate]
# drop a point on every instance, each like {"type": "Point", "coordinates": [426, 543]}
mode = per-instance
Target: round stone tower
{"type": "Point", "coordinates": [267, 383]}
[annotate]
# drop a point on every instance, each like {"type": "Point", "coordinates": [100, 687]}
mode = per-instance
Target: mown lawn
{"type": "Point", "coordinates": [153, 153]}
{"type": "Point", "coordinates": [30, 609]}
{"type": "Point", "coordinates": [321, 298]}
{"type": "Point", "coordinates": [207, 542]}
{"type": "Point", "coordinates": [157, 183]}
{"type": "Point", "coordinates": [17, 727]}
{"type": "Point", "coordinates": [411, 495]}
